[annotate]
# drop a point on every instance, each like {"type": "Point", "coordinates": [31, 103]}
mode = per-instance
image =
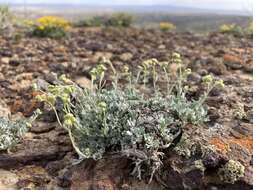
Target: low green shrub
{"type": "Point", "coordinates": [124, 121]}
{"type": "Point", "coordinates": [115, 20]}
{"type": "Point", "coordinates": [92, 22]}
{"type": "Point", "coordinates": [120, 20]}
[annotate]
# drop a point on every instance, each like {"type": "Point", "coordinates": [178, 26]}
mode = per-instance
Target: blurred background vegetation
{"type": "Point", "coordinates": [184, 18]}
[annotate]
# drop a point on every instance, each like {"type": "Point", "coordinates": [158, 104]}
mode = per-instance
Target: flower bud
{"type": "Point", "coordinates": [220, 83]}
{"type": "Point", "coordinates": [41, 98]}
{"type": "Point", "coordinates": [176, 56]}
{"type": "Point", "coordinates": [51, 99]}
{"type": "Point", "coordinates": [69, 119]}
{"type": "Point", "coordinates": [34, 86]}
{"type": "Point", "coordinates": [186, 88]}
{"type": "Point", "coordinates": [38, 112]}
{"type": "Point", "coordinates": [65, 98]}
{"type": "Point", "coordinates": [207, 79]}
{"type": "Point", "coordinates": [102, 106]}
{"type": "Point", "coordinates": [154, 62]}
{"type": "Point", "coordinates": [188, 71]}
{"type": "Point", "coordinates": [64, 79]}
{"type": "Point", "coordinates": [126, 69]}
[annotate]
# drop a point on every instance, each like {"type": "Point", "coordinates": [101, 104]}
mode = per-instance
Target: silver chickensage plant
{"type": "Point", "coordinates": [125, 121]}
{"type": "Point", "coordinates": [11, 132]}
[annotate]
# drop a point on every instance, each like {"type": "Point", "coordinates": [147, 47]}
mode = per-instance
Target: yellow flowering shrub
{"type": "Point", "coordinates": [251, 26]}
{"type": "Point", "coordinates": [50, 26]}
{"type": "Point", "coordinates": [231, 28]}
{"type": "Point", "coordinates": [167, 26]}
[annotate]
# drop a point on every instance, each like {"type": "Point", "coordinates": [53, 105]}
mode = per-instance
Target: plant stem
{"type": "Point", "coordinates": [167, 79]}
{"type": "Point", "coordinates": [154, 78]}
{"type": "Point", "coordinates": [137, 77]}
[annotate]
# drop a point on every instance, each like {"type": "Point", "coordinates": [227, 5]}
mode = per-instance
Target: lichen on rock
{"type": "Point", "coordinates": [231, 171]}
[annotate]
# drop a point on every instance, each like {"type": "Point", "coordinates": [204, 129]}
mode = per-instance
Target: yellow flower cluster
{"type": "Point", "coordinates": [52, 21]}
{"type": "Point", "coordinates": [166, 26]}
{"type": "Point", "coordinates": [251, 26]}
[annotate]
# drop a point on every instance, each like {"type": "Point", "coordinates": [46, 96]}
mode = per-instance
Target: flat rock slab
{"type": "Point", "coordinates": [8, 180]}
{"type": "Point", "coordinates": [40, 147]}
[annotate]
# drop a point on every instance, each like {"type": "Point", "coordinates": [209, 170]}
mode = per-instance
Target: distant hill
{"type": "Point", "coordinates": [129, 8]}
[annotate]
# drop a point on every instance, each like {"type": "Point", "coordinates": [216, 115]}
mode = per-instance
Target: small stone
{"type": "Point", "coordinates": [1, 77]}
{"type": "Point", "coordinates": [203, 72]}
{"type": "Point", "coordinates": [42, 84]}
{"type": "Point", "coordinates": [51, 78]}
{"type": "Point", "coordinates": [4, 110]}
{"type": "Point", "coordinates": [243, 129]}
{"type": "Point", "coordinates": [83, 82]}
{"type": "Point", "coordinates": [162, 46]}
{"type": "Point", "coordinates": [21, 85]}
{"type": "Point", "coordinates": [5, 60]}
{"type": "Point", "coordinates": [248, 176]}
{"type": "Point", "coordinates": [213, 114]}
{"type": "Point", "coordinates": [194, 77]}
{"type": "Point", "coordinates": [232, 61]}
{"type": "Point", "coordinates": [41, 127]}
{"type": "Point", "coordinates": [15, 61]}
{"type": "Point", "coordinates": [109, 46]}
{"type": "Point", "coordinates": [240, 150]}
{"type": "Point", "coordinates": [217, 68]}
{"type": "Point", "coordinates": [248, 67]}
{"type": "Point", "coordinates": [99, 55]}
{"type": "Point", "coordinates": [126, 56]}
{"type": "Point", "coordinates": [211, 160]}
{"type": "Point", "coordinates": [8, 180]}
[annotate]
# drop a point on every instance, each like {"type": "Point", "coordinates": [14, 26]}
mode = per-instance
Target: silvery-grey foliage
{"type": "Point", "coordinates": [11, 132]}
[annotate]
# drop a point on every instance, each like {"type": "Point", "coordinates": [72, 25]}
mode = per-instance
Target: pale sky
{"type": "Point", "coordinates": [210, 4]}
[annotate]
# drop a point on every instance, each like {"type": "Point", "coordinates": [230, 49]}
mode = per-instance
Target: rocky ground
{"type": "Point", "coordinates": [44, 159]}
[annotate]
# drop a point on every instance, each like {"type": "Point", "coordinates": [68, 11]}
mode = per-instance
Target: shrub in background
{"type": "Point", "coordinates": [251, 28]}
{"type": "Point", "coordinates": [231, 29]}
{"type": "Point", "coordinates": [115, 20]}
{"type": "Point", "coordinates": [95, 21]}
{"type": "Point", "coordinates": [120, 20]}
{"type": "Point", "coordinates": [167, 26]}
{"type": "Point", "coordinates": [50, 26]}
{"type": "Point", "coordinates": [6, 20]}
